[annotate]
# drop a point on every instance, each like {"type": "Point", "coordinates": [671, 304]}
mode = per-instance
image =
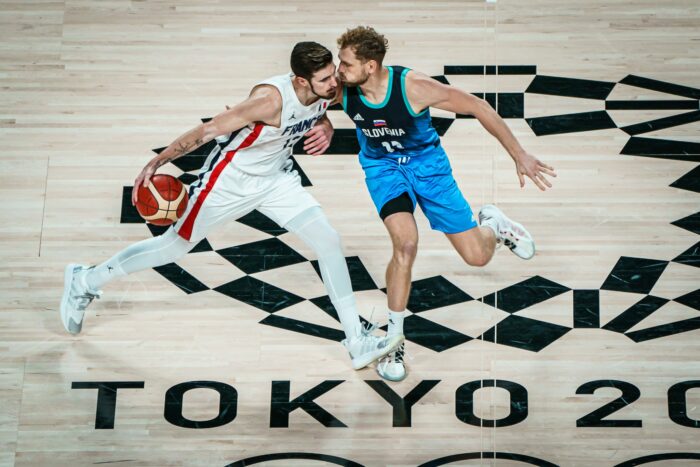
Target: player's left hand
{"type": "Point", "coordinates": [318, 139]}
{"type": "Point", "coordinates": [529, 165]}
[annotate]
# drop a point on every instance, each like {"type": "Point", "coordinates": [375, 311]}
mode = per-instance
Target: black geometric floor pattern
{"type": "Point", "coordinates": [629, 275]}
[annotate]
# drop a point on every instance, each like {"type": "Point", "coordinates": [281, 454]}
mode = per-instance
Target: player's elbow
{"type": "Point", "coordinates": [481, 108]}
{"type": "Point", "coordinates": [210, 130]}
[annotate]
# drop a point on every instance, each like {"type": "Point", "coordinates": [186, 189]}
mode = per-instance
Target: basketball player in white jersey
{"type": "Point", "coordinates": [252, 172]}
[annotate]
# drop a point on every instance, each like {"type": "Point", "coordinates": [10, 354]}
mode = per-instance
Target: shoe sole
{"type": "Point", "coordinates": [391, 378]}
{"type": "Point", "coordinates": [67, 282]}
{"type": "Point", "coordinates": [361, 362]}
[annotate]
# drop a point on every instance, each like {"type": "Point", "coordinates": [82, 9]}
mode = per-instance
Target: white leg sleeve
{"type": "Point", "coordinates": [145, 254]}
{"type": "Point", "coordinates": [313, 228]}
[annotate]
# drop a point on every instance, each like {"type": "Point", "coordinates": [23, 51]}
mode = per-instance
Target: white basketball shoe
{"type": "Point", "coordinates": [76, 297]}
{"type": "Point", "coordinates": [510, 233]}
{"type": "Point", "coordinates": [367, 348]}
{"type": "Point", "coordinates": [392, 366]}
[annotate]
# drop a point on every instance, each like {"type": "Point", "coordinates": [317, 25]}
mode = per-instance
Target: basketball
{"type": "Point", "coordinates": [163, 201]}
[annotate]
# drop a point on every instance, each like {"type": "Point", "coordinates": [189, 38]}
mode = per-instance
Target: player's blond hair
{"type": "Point", "coordinates": [366, 43]}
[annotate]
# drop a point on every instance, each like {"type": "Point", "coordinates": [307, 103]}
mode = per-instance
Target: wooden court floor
{"type": "Point", "coordinates": [587, 355]}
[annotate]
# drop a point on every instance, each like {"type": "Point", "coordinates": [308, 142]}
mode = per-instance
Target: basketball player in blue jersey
{"type": "Point", "coordinates": [405, 165]}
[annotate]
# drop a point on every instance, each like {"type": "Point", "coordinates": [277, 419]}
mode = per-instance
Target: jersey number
{"type": "Point", "coordinates": [291, 142]}
{"type": "Point", "coordinates": [389, 147]}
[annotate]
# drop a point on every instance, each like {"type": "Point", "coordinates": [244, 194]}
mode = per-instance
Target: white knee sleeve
{"type": "Point", "coordinates": [313, 228]}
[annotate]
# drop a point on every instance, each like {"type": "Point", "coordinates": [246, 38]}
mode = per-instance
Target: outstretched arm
{"type": "Point", "coordinates": [263, 105]}
{"type": "Point", "coordinates": [423, 92]}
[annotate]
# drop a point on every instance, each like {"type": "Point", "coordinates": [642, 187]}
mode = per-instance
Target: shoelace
{"type": "Point", "coordinates": [399, 353]}
{"type": "Point", "coordinates": [366, 338]}
{"type": "Point", "coordinates": [85, 299]}
{"type": "Point", "coordinates": [368, 328]}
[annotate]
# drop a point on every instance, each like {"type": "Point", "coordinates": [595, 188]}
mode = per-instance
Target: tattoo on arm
{"type": "Point", "coordinates": [183, 148]}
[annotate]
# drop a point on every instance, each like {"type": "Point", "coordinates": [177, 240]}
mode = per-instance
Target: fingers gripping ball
{"type": "Point", "coordinates": [163, 201]}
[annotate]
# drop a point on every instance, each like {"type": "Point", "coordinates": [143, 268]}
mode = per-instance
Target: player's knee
{"type": "Point", "coordinates": [330, 243]}
{"type": "Point", "coordinates": [323, 239]}
{"type": "Point", "coordinates": [333, 238]}
{"type": "Point", "coordinates": [478, 258]}
{"type": "Point", "coordinates": [405, 252]}
{"type": "Point", "coordinates": [173, 247]}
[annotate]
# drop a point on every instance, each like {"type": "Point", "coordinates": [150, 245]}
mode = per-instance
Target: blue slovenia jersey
{"type": "Point", "coordinates": [390, 129]}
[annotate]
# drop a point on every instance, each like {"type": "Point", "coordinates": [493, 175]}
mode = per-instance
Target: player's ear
{"type": "Point", "coordinates": [372, 66]}
{"type": "Point", "coordinates": [302, 81]}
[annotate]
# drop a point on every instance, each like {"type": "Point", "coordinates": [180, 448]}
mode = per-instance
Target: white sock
{"type": "Point", "coordinates": [98, 276]}
{"type": "Point", "coordinates": [492, 224]}
{"type": "Point", "coordinates": [395, 322]}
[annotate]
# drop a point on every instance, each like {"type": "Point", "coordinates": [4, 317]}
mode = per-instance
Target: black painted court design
{"type": "Point", "coordinates": [521, 459]}
{"type": "Point", "coordinates": [629, 275]}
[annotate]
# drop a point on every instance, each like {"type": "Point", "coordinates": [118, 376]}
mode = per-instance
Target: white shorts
{"type": "Point", "coordinates": [224, 192]}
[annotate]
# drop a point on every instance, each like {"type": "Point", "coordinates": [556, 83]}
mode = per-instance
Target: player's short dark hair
{"type": "Point", "coordinates": [366, 43]}
{"type": "Point", "coordinates": [309, 57]}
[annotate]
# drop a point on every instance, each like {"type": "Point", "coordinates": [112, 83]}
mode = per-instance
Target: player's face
{"type": "Point", "coordinates": [324, 83]}
{"type": "Point", "coordinates": [351, 70]}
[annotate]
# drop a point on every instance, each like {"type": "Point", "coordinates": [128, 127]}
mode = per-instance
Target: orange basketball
{"type": "Point", "coordinates": [163, 201]}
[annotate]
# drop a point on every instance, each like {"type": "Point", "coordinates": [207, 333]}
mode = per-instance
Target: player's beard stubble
{"type": "Point", "coordinates": [330, 95]}
{"type": "Point", "coordinates": [362, 80]}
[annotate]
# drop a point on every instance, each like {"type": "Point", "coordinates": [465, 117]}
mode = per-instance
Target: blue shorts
{"type": "Point", "coordinates": [427, 178]}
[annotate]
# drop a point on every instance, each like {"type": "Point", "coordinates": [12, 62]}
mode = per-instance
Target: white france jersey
{"type": "Point", "coordinates": [263, 149]}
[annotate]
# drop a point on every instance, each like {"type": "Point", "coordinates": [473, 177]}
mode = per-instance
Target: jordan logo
{"type": "Point", "coordinates": [292, 117]}
{"type": "Point", "coordinates": [358, 118]}
{"type": "Point", "coordinates": [110, 268]}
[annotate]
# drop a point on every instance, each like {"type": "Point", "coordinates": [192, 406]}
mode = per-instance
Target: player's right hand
{"type": "Point", "coordinates": [527, 164]}
{"type": "Point", "coordinates": [144, 178]}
